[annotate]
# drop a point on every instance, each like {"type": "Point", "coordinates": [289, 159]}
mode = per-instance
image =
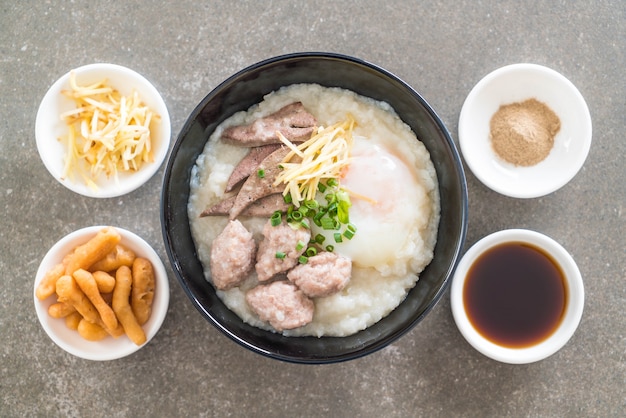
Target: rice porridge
{"type": "Point", "coordinates": [396, 225]}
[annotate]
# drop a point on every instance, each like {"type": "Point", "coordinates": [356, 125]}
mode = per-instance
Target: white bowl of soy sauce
{"type": "Point", "coordinates": [517, 296]}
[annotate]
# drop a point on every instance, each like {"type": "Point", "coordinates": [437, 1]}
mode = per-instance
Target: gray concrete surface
{"type": "Point", "coordinates": [188, 47]}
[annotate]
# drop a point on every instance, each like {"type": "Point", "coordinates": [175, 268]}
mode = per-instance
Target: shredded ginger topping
{"type": "Point", "coordinates": [320, 158]}
{"type": "Point", "coordinates": [108, 132]}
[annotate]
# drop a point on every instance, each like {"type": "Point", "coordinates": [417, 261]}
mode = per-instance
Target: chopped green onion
{"type": "Point", "coordinates": [260, 173]}
{"type": "Point", "coordinates": [303, 259]}
{"type": "Point", "coordinates": [332, 216]}
{"type": "Point", "coordinates": [296, 215]}
{"type": "Point", "coordinates": [311, 204]}
{"type": "Point", "coordinates": [304, 210]}
{"type": "Point", "coordinates": [329, 223]}
{"type": "Point", "coordinates": [289, 212]}
{"type": "Point", "coordinates": [280, 255]}
{"type": "Point", "coordinates": [350, 231]}
{"type": "Point", "coordinates": [276, 218]}
{"type": "Point", "coordinates": [343, 206]}
{"type": "Point", "coordinates": [317, 218]}
{"type": "Point", "coordinates": [332, 209]}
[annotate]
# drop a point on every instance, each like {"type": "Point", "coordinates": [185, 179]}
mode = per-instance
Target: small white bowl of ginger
{"type": "Point", "coordinates": [102, 130]}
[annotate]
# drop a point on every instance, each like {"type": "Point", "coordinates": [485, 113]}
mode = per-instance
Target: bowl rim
{"type": "Point", "coordinates": [575, 298]}
{"type": "Point", "coordinates": [53, 99]}
{"type": "Point", "coordinates": [381, 343]}
{"type": "Point", "coordinates": [110, 349]}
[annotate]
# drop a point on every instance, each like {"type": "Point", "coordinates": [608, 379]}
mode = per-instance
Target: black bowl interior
{"type": "Point", "coordinates": [247, 88]}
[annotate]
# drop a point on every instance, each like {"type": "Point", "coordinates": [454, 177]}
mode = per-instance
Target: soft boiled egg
{"type": "Point", "coordinates": [385, 195]}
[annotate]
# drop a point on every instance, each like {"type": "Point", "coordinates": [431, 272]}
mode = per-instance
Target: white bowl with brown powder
{"type": "Point", "coordinates": [525, 130]}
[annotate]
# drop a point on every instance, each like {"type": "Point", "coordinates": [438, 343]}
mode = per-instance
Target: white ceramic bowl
{"type": "Point", "coordinates": [573, 310]}
{"type": "Point", "coordinates": [49, 127]}
{"type": "Point", "coordinates": [516, 83]}
{"type": "Point", "coordinates": [109, 348]}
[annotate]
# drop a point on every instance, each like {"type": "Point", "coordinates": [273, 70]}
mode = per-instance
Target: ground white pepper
{"type": "Point", "coordinates": [522, 133]}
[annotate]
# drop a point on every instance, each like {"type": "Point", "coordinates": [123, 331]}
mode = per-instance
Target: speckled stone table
{"type": "Point", "coordinates": [186, 48]}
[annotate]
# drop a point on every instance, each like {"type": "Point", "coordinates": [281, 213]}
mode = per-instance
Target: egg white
{"type": "Point", "coordinates": [385, 220]}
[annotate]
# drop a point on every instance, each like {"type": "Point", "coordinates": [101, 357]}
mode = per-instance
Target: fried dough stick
{"type": "Point", "coordinates": [142, 291]}
{"type": "Point", "coordinates": [70, 293]}
{"type": "Point", "coordinates": [88, 285]}
{"type": "Point", "coordinates": [121, 306]}
{"type": "Point", "coordinates": [93, 250]}
{"type": "Point", "coordinates": [47, 286]}
{"type": "Point", "coordinates": [120, 256]}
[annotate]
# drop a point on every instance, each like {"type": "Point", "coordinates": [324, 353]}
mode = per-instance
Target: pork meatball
{"type": "Point", "coordinates": [324, 274]}
{"type": "Point", "coordinates": [279, 250]}
{"type": "Point", "coordinates": [281, 304]}
{"type": "Point", "coordinates": [232, 256]}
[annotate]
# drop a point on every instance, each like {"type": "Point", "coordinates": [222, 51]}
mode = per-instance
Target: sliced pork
{"type": "Point", "coordinates": [281, 304]}
{"type": "Point", "coordinates": [232, 256]}
{"type": "Point", "coordinates": [248, 165]}
{"type": "Point", "coordinates": [293, 121]}
{"type": "Point", "coordinates": [323, 274]}
{"type": "Point", "coordinates": [263, 207]}
{"type": "Point", "coordinates": [260, 184]}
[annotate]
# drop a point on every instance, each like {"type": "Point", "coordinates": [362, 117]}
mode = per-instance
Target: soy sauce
{"type": "Point", "coordinates": [515, 295]}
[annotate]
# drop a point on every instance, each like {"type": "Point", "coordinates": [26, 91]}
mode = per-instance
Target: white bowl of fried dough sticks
{"type": "Point", "coordinates": [101, 293]}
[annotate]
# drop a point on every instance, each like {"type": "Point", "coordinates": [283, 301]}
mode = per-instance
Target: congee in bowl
{"type": "Point", "coordinates": [314, 207]}
{"type": "Point", "coordinates": [392, 200]}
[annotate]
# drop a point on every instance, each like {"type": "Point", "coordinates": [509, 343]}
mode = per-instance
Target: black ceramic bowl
{"type": "Point", "coordinates": [248, 87]}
